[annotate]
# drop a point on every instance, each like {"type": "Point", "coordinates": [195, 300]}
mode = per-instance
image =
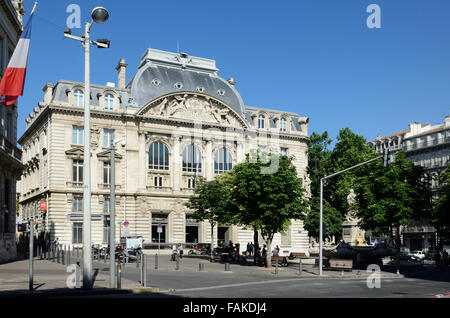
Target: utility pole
{"type": "Point", "coordinates": [112, 217]}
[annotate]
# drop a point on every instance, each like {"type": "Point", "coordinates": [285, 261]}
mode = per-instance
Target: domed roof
{"type": "Point", "coordinates": [162, 73]}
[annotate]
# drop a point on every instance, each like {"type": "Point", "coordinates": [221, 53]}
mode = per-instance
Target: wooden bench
{"type": "Point", "coordinates": [297, 255]}
{"type": "Point", "coordinates": [343, 264]}
{"type": "Point", "coordinates": [282, 261]}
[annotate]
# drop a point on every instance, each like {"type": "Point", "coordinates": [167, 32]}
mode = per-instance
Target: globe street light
{"type": "Point", "coordinates": [99, 15]}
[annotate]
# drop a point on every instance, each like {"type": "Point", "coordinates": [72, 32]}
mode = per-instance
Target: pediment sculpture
{"type": "Point", "coordinates": [194, 107]}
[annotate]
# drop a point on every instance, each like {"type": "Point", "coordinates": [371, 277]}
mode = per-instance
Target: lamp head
{"type": "Point", "coordinates": [100, 15]}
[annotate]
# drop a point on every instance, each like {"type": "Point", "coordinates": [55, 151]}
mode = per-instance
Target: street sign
{"type": "Point", "coordinates": [159, 228]}
{"type": "Point", "coordinates": [126, 223]}
{"type": "Point", "coordinates": [43, 205]}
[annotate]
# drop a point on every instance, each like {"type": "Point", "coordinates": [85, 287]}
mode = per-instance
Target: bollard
{"type": "Point", "coordinates": [227, 267]}
{"type": "Point", "coordinates": [178, 262]}
{"type": "Point", "coordinates": [342, 273]}
{"type": "Point", "coordinates": [63, 254]}
{"type": "Point", "coordinates": [57, 255]}
{"type": "Point", "coordinates": [119, 274]}
{"type": "Point", "coordinates": [78, 276]}
{"type": "Point", "coordinates": [300, 269]}
{"type": "Point", "coordinates": [201, 267]}
{"type": "Point", "coordinates": [68, 256]}
{"type": "Point", "coordinates": [144, 265]}
{"type": "Point", "coordinates": [40, 251]}
{"type": "Point", "coordinates": [276, 266]}
{"type": "Point", "coordinates": [156, 261]}
{"type": "Point", "coordinates": [142, 273]}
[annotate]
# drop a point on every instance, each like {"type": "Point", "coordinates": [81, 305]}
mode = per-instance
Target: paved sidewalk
{"type": "Point", "coordinates": [48, 276]}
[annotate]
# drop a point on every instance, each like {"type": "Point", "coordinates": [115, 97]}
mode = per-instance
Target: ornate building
{"type": "Point", "coordinates": [427, 146]}
{"type": "Point", "coordinates": [10, 155]}
{"type": "Point", "coordinates": [178, 120]}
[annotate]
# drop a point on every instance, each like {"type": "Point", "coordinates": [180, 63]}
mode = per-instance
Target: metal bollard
{"type": "Point", "coordinates": [40, 252]}
{"type": "Point", "coordinates": [156, 261]}
{"type": "Point", "coordinates": [119, 275]}
{"type": "Point", "coordinates": [227, 267]}
{"type": "Point", "coordinates": [201, 267]}
{"type": "Point", "coordinates": [63, 254]}
{"type": "Point", "coordinates": [178, 262]}
{"type": "Point", "coordinates": [144, 265]}
{"type": "Point", "coordinates": [78, 276]}
{"type": "Point", "coordinates": [300, 267]}
{"type": "Point", "coordinates": [68, 256]}
{"type": "Point", "coordinates": [57, 255]}
{"type": "Point", "coordinates": [276, 266]}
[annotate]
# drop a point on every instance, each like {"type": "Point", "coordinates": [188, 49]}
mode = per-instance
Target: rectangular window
{"type": "Point", "coordinates": [77, 204]}
{"type": "Point", "coordinates": [77, 233]}
{"type": "Point", "coordinates": [158, 181]}
{"type": "Point", "coordinates": [9, 127]}
{"type": "Point", "coordinates": [78, 171]}
{"type": "Point", "coordinates": [78, 135]}
{"type": "Point", "coordinates": [283, 151]}
{"type": "Point", "coordinates": [106, 230]}
{"type": "Point", "coordinates": [107, 137]}
{"type": "Point", "coordinates": [107, 205]}
{"type": "Point", "coordinates": [107, 173]}
{"type": "Point", "coordinates": [191, 183]}
{"type": "Point", "coordinates": [286, 238]}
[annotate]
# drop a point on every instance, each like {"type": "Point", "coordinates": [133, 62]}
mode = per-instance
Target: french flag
{"type": "Point", "coordinates": [11, 86]}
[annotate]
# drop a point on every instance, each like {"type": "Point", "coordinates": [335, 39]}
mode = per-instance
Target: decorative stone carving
{"type": "Point", "coordinates": [350, 201]}
{"type": "Point", "coordinates": [95, 136]}
{"type": "Point", "coordinates": [194, 107]}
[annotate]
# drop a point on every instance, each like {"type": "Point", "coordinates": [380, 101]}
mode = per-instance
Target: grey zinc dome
{"type": "Point", "coordinates": [162, 73]}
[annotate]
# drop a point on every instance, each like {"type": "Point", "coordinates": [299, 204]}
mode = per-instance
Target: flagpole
{"type": "Point", "coordinates": [34, 7]}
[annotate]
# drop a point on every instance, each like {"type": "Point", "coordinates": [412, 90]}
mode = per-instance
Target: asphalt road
{"type": "Point", "coordinates": [258, 282]}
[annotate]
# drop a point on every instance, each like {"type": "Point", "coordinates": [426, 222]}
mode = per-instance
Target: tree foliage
{"type": "Point", "coordinates": [441, 213]}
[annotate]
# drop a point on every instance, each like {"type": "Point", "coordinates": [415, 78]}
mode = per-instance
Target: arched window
{"type": "Point", "coordinates": [158, 156]}
{"type": "Point", "coordinates": [78, 98]}
{"type": "Point", "coordinates": [222, 161]}
{"type": "Point", "coordinates": [283, 124]}
{"type": "Point", "coordinates": [192, 159]}
{"type": "Point", "coordinates": [109, 102]}
{"type": "Point", "coordinates": [261, 121]}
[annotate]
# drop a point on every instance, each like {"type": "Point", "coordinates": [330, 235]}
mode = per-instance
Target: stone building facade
{"type": "Point", "coordinates": [427, 146]}
{"type": "Point", "coordinates": [177, 120]}
{"type": "Point", "coordinates": [10, 155]}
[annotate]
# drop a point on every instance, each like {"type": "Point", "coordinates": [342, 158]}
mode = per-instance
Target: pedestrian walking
{"type": "Point", "coordinates": [252, 247]}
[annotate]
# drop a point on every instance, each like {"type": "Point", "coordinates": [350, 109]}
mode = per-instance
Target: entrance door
{"type": "Point", "coordinates": [155, 234]}
{"type": "Point", "coordinates": [223, 234]}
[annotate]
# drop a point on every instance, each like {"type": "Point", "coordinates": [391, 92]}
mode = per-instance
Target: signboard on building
{"type": "Point", "coordinates": [43, 205]}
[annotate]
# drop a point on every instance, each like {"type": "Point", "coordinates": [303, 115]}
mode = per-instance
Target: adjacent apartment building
{"type": "Point", "coordinates": [10, 156]}
{"type": "Point", "coordinates": [429, 147]}
{"type": "Point", "coordinates": [176, 120]}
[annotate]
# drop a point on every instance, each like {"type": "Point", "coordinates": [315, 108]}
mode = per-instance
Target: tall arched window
{"type": "Point", "coordinates": [158, 156]}
{"type": "Point", "coordinates": [78, 98]}
{"type": "Point", "coordinates": [222, 161]}
{"type": "Point", "coordinates": [261, 121]}
{"type": "Point", "coordinates": [109, 102]}
{"type": "Point", "coordinates": [283, 124]}
{"type": "Point", "coordinates": [192, 159]}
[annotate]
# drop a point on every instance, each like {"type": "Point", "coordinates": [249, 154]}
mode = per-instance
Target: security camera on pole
{"type": "Point", "coordinates": [99, 15]}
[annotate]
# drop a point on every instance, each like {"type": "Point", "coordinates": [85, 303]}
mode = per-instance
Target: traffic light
{"type": "Point", "coordinates": [22, 227]}
{"type": "Point", "coordinates": [325, 230]}
{"type": "Point", "coordinates": [385, 158]}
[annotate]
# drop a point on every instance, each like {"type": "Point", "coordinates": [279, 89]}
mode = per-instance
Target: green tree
{"type": "Point", "coordinates": [388, 198]}
{"type": "Point", "coordinates": [212, 202]}
{"type": "Point", "coordinates": [267, 201]}
{"type": "Point", "coordinates": [441, 213]}
{"type": "Point", "coordinates": [318, 166]}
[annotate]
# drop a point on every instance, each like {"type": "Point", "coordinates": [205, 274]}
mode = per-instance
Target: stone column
{"type": "Point", "coordinates": [176, 163]}
{"type": "Point", "coordinates": [209, 160]}
{"type": "Point", "coordinates": [142, 179]}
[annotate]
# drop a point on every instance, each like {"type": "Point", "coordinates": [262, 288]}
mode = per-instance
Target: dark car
{"type": "Point", "coordinates": [431, 254]}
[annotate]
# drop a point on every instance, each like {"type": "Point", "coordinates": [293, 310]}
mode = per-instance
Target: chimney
{"type": "Point", "coordinates": [48, 93]}
{"type": "Point", "coordinates": [121, 67]}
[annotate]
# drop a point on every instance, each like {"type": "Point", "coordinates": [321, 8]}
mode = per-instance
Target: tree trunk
{"type": "Point", "coordinates": [269, 253]}
{"type": "Point", "coordinates": [398, 246]}
{"type": "Point", "coordinates": [211, 259]}
{"type": "Point", "coordinates": [256, 245]}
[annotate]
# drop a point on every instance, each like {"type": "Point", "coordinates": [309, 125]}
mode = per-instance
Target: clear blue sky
{"type": "Point", "coordinates": [313, 57]}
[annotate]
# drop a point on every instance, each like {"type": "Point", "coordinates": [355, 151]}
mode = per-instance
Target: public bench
{"type": "Point", "coordinates": [297, 255]}
{"type": "Point", "coordinates": [342, 264]}
{"type": "Point", "coordinates": [282, 261]}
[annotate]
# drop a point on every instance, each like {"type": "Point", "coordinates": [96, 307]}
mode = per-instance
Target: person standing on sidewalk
{"type": "Point", "coordinates": [180, 250]}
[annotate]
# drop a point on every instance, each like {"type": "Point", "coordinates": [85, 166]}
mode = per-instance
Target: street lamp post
{"type": "Point", "coordinates": [99, 15]}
